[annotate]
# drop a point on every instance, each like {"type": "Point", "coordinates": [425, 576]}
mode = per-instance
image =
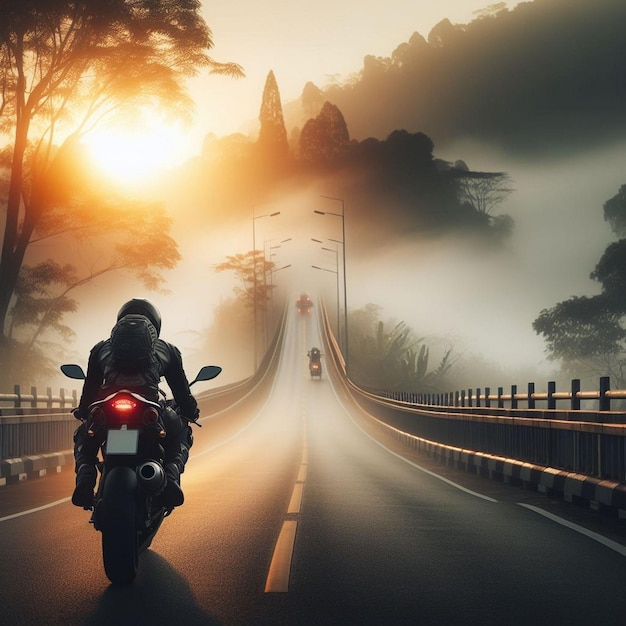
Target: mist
{"type": "Point", "coordinates": [482, 300]}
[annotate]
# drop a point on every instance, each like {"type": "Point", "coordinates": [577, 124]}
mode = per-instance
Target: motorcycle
{"type": "Point", "coordinates": [315, 363]}
{"type": "Point", "coordinates": [126, 506]}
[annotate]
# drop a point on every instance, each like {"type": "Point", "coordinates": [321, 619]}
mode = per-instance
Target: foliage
{"type": "Point", "coordinates": [272, 141]}
{"type": "Point", "coordinates": [615, 212]}
{"type": "Point", "coordinates": [587, 333]}
{"type": "Point", "coordinates": [324, 139]}
{"type": "Point", "coordinates": [512, 78]}
{"type": "Point", "coordinates": [251, 269]}
{"type": "Point", "coordinates": [391, 358]}
{"type": "Point", "coordinates": [64, 68]}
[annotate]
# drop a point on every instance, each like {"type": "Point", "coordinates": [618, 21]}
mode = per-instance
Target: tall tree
{"type": "Point", "coordinates": [325, 138]}
{"type": "Point", "coordinates": [587, 333]}
{"type": "Point", "coordinates": [64, 67]}
{"type": "Point", "coordinates": [272, 142]}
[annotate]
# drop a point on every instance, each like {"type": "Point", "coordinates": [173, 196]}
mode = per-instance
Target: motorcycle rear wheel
{"type": "Point", "coordinates": [119, 532]}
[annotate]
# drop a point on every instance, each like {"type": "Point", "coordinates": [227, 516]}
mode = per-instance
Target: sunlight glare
{"type": "Point", "coordinates": [135, 155]}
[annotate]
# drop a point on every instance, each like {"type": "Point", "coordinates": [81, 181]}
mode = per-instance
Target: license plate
{"type": "Point", "coordinates": [122, 441]}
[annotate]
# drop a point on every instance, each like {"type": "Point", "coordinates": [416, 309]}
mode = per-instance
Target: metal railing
{"type": "Point", "coordinates": [483, 397]}
{"type": "Point", "coordinates": [575, 438]}
{"type": "Point", "coordinates": [33, 423]}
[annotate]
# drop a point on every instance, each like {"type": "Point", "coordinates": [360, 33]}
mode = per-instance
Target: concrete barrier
{"type": "Point", "coordinates": [34, 466]}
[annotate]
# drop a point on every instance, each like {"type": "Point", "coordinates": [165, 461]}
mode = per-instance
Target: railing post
{"type": "Point", "coordinates": [500, 400]}
{"type": "Point", "coordinates": [33, 393]}
{"type": "Point", "coordinates": [469, 398]}
{"type": "Point", "coordinates": [531, 400]}
{"type": "Point", "coordinates": [456, 399]}
{"type": "Point", "coordinates": [478, 396]}
{"type": "Point", "coordinates": [513, 398]}
{"type": "Point", "coordinates": [605, 401]}
{"type": "Point", "coordinates": [575, 402]}
{"type": "Point", "coordinates": [551, 392]}
{"type": "Point", "coordinates": [487, 401]}
{"type": "Point", "coordinates": [463, 398]}
{"type": "Point", "coordinates": [49, 397]}
{"type": "Point", "coordinates": [18, 400]}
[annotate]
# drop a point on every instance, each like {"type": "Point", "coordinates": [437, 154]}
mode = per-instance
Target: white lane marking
{"type": "Point", "coordinates": [39, 508]}
{"type": "Point", "coordinates": [280, 567]}
{"type": "Point", "coordinates": [613, 545]}
{"type": "Point", "coordinates": [399, 456]}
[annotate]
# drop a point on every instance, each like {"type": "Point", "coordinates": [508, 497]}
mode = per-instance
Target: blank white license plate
{"type": "Point", "coordinates": [122, 441]}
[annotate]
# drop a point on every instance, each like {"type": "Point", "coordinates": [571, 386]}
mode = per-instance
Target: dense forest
{"type": "Point", "coordinates": [545, 77]}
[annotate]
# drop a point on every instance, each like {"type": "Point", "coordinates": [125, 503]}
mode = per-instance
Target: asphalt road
{"type": "Point", "coordinates": [295, 515]}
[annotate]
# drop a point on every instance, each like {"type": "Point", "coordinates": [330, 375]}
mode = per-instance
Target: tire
{"type": "Point", "coordinates": [119, 531]}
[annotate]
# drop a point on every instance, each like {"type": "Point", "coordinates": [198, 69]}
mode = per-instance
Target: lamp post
{"type": "Point", "coordinates": [336, 251]}
{"type": "Point", "coordinates": [342, 215]}
{"type": "Point", "coordinates": [255, 282]}
{"type": "Point", "coordinates": [269, 258]}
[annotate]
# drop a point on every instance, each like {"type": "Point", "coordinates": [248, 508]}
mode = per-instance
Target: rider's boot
{"type": "Point", "coordinates": [176, 456]}
{"type": "Point", "coordinates": [172, 495]}
{"type": "Point", "coordinates": [86, 457]}
{"type": "Point", "coordinates": [85, 485]}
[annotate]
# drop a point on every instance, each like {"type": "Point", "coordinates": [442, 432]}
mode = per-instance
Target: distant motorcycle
{"type": "Point", "coordinates": [315, 363]}
{"type": "Point", "coordinates": [126, 506]}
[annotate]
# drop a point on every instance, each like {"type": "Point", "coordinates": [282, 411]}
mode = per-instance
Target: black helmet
{"type": "Point", "coordinates": [141, 306]}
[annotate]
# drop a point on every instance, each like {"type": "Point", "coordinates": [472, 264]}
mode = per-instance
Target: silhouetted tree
{"type": "Point", "coordinates": [525, 79]}
{"type": "Point", "coordinates": [325, 139]}
{"type": "Point", "coordinates": [484, 191]}
{"type": "Point", "coordinates": [63, 67]}
{"type": "Point", "coordinates": [391, 359]}
{"type": "Point", "coordinates": [273, 144]}
{"type": "Point", "coordinates": [588, 332]}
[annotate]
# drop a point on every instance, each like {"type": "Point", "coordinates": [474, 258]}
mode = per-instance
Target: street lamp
{"type": "Point", "coordinates": [342, 215]}
{"type": "Point", "coordinates": [254, 267]}
{"type": "Point", "coordinates": [336, 251]}
{"type": "Point", "coordinates": [269, 258]}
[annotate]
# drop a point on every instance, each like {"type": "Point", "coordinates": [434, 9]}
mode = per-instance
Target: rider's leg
{"type": "Point", "coordinates": [178, 440]}
{"type": "Point", "coordinates": [85, 456]}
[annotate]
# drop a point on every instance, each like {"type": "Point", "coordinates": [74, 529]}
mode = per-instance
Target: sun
{"type": "Point", "coordinates": [136, 154]}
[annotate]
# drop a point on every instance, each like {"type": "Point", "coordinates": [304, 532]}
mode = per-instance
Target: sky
{"type": "Point", "coordinates": [301, 42]}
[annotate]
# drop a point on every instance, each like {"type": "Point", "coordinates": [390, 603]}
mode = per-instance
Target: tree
{"type": "Point", "coordinates": [615, 212]}
{"type": "Point", "coordinates": [588, 332]}
{"type": "Point", "coordinates": [273, 134]}
{"type": "Point", "coordinates": [325, 139]}
{"type": "Point", "coordinates": [65, 67]}
{"type": "Point", "coordinates": [483, 191]}
{"type": "Point", "coordinates": [251, 270]}
{"type": "Point", "coordinates": [391, 359]}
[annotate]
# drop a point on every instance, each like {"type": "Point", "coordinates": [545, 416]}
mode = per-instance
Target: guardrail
{"type": "Point", "coordinates": [478, 397]}
{"type": "Point", "coordinates": [34, 424]}
{"type": "Point", "coordinates": [573, 442]}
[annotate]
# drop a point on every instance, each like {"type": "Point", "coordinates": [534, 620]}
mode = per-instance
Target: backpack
{"type": "Point", "coordinates": [132, 343]}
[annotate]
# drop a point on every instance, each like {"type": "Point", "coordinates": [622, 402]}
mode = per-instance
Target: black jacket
{"type": "Point", "coordinates": [102, 379]}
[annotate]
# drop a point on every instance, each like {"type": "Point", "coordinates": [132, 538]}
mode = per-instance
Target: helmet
{"type": "Point", "coordinates": [141, 306]}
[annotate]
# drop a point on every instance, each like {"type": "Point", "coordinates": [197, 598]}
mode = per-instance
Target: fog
{"type": "Point", "coordinates": [483, 301]}
{"type": "Point", "coordinates": [454, 291]}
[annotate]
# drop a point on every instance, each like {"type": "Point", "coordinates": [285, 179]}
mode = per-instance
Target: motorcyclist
{"type": "Point", "coordinates": [99, 381]}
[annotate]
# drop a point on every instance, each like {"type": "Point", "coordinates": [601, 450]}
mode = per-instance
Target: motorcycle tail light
{"type": "Point", "coordinates": [124, 409]}
{"type": "Point", "coordinates": [123, 404]}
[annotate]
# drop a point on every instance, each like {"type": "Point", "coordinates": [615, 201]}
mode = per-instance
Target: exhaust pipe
{"type": "Point", "coordinates": [151, 476]}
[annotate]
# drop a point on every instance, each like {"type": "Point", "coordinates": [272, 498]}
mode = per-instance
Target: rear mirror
{"type": "Point", "coordinates": [208, 372]}
{"type": "Point", "coordinates": [72, 370]}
